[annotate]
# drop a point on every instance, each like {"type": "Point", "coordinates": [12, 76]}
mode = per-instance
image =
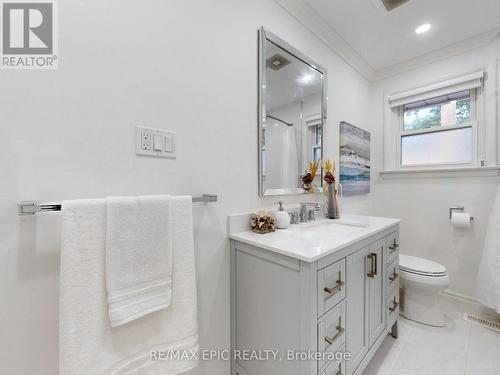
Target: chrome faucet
{"type": "Point", "coordinates": [304, 215]}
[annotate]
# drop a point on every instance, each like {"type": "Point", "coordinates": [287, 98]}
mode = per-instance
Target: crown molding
{"type": "Point", "coordinates": [319, 27]}
{"type": "Point", "coordinates": [478, 41]}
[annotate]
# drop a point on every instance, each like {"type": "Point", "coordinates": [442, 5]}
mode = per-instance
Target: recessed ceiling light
{"type": "Point", "coordinates": [423, 28]}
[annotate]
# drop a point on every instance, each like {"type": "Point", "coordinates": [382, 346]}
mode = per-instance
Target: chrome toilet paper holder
{"type": "Point", "coordinates": [459, 209]}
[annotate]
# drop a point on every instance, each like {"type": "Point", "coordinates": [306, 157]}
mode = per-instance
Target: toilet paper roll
{"type": "Point", "coordinates": [460, 219]}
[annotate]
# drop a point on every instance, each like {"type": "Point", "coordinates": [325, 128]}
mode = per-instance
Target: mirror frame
{"type": "Point", "coordinates": [266, 35]}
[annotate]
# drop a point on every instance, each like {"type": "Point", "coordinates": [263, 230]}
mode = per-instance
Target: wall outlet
{"type": "Point", "coordinates": [145, 140]}
{"type": "Point", "coordinates": [155, 142]}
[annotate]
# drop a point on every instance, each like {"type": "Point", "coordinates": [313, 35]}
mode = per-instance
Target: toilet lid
{"type": "Point", "coordinates": [421, 266]}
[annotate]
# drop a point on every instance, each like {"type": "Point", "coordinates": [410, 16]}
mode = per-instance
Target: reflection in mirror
{"type": "Point", "coordinates": [291, 117]}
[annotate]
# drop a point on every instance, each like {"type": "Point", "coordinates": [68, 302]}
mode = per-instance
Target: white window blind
{"type": "Point", "coordinates": [466, 82]}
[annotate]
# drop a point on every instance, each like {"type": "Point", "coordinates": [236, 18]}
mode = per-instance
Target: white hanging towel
{"type": "Point", "coordinates": [488, 279]}
{"type": "Point", "coordinates": [88, 344]}
{"type": "Point", "coordinates": [138, 256]}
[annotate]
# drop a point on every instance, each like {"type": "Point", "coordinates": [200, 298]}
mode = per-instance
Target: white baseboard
{"type": "Point", "coordinates": [473, 305]}
{"type": "Point", "coordinates": [461, 296]}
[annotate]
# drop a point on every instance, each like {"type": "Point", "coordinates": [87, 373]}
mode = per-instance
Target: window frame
{"type": "Point", "coordinates": [312, 124]}
{"type": "Point", "coordinates": [473, 124]}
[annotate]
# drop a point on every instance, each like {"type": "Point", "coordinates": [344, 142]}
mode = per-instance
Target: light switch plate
{"type": "Point", "coordinates": [169, 143]}
{"type": "Point", "coordinates": [147, 141]}
{"type": "Point", "coordinates": [158, 143]}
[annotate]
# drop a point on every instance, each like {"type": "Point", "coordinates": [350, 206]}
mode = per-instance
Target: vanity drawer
{"type": "Point", "coordinates": [331, 286]}
{"type": "Point", "coordinates": [331, 332]}
{"type": "Point", "coordinates": [392, 274]}
{"type": "Point", "coordinates": [392, 306]}
{"type": "Point", "coordinates": [335, 367]}
{"type": "Point", "coordinates": [392, 247]}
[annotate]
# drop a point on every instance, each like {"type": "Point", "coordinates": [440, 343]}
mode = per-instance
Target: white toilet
{"type": "Point", "coordinates": [422, 282]}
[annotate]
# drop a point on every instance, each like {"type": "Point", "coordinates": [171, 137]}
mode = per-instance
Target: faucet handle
{"type": "Point", "coordinates": [311, 216]}
{"type": "Point", "coordinates": [305, 214]}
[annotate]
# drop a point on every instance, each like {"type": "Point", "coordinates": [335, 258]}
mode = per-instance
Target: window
{"type": "Point", "coordinates": [453, 109]}
{"type": "Point", "coordinates": [438, 131]}
{"type": "Point", "coordinates": [316, 144]}
{"type": "Point", "coordinates": [437, 126]}
{"type": "Point", "coordinates": [314, 138]}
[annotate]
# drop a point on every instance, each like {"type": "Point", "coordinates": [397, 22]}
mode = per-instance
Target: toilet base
{"type": "Point", "coordinates": [425, 324]}
{"type": "Point", "coordinates": [422, 305]}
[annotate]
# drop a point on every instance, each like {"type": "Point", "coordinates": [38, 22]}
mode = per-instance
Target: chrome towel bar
{"type": "Point", "coordinates": [31, 207]}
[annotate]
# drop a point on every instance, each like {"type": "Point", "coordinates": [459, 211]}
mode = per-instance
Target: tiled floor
{"type": "Point", "coordinates": [462, 348]}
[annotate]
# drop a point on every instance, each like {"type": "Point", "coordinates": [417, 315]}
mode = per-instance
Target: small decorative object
{"type": "Point", "coordinates": [262, 223]}
{"type": "Point", "coordinates": [330, 192]}
{"type": "Point", "coordinates": [281, 217]}
{"type": "Point", "coordinates": [354, 159]}
{"type": "Point", "coordinates": [308, 178]}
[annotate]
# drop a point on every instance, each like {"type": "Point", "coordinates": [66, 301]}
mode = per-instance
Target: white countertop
{"type": "Point", "coordinates": [312, 241]}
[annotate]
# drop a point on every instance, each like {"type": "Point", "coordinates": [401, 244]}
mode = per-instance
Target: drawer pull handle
{"type": "Point", "coordinates": [335, 289]}
{"type": "Point", "coordinates": [331, 340]}
{"type": "Point", "coordinates": [394, 307]}
{"type": "Point", "coordinates": [394, 276]}
{"type": "Point", "coordinates": [393, 248]}
{"type": "Point", "coordinates": [373, 265]}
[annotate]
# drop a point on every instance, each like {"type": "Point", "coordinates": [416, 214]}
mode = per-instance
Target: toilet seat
{"type": "Point", "coordinates": [421, 267]}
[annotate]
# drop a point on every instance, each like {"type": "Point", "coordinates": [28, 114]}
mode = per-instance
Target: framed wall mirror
{"type": "Point", "coordinates": [292, 113]}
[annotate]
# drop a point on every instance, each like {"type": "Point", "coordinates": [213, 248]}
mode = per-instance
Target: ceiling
{"type": "Point", "coordinates": [384, 39]}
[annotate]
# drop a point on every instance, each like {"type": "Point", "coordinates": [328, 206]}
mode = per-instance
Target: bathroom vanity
{"type": "Point", "coordinates": [329, 286]}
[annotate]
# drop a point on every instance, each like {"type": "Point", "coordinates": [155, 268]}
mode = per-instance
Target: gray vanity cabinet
{"type": "Point", "coordinates": [376, 291]}
{"type": "Point", "coordinates": [366, 307]}
{"type": "Point", "coordinates": [358, 301]}
{"type": "Point", "coordinates": [344, 301]}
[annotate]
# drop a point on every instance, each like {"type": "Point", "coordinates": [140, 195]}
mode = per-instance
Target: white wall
{"type": "Point", "coordinates": [187, 66]}
{"type": "Point", "coordinates": [423, 203]}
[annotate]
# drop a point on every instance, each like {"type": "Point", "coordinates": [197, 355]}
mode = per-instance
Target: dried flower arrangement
{"type": "Point", "coordinates": [308, 178]}
{"type": "Point", "coordinates": [332, 210]}
{"type": "Point", "coordinates": [262, 223]}
{"type": "Point", "coordinates": [329, 171]}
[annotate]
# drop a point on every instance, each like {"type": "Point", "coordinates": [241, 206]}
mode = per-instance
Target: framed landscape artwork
{"type": "Point", "coordinates": [354, 159]}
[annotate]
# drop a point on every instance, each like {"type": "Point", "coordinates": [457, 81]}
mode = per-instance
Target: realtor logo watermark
{"type": "Point", "coordinates": [29, 34]}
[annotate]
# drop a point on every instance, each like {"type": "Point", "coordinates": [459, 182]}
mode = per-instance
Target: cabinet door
{"type": "Point", "coordinates": [376, 291]}
{"type": "Point", "coordinates": [357, 339]}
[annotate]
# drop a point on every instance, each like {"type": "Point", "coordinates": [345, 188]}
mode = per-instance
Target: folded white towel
{"type": "Point", "coordinates": [88, 344]}
{"type": "Point", "coordinates": [138, 256]}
